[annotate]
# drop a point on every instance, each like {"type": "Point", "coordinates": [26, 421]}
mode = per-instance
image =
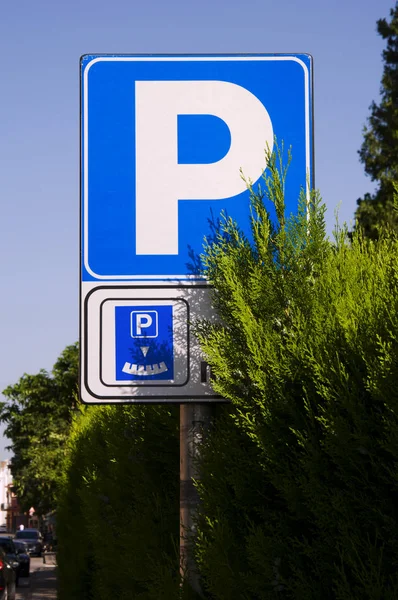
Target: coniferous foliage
{"type": "Point", "coordinates": [37, 413]}
{"type": "Point", "coordinates": [379, 151]}
{"type": "Point", "coordinates": [299, 477]}
{"type": "Point", "coordinates": [118, 505]}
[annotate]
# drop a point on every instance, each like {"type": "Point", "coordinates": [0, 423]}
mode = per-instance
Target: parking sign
{"type": "Point", "coordinates": [165, 140]}
{"type": "Point", "coordinates": [144, 343]}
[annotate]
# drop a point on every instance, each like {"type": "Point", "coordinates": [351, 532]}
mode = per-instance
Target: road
{"type": "Point", "coordinates": [42, 583]}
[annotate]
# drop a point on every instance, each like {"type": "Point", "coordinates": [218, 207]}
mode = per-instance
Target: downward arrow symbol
{"type": "Point", "coordinates": [144, 350]}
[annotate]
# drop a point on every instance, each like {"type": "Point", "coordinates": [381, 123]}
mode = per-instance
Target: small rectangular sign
{"type": "Point", "coordinates": [139, 345]}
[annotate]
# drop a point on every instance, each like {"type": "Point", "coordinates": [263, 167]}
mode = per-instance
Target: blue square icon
{"type": "Point", "coordinates": [144, 343]}
{"type": "Point", "coordinates": [144, 324]}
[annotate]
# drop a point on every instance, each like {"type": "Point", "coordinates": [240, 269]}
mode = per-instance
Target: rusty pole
{"type": "Point", "coordinates": [194, 424]}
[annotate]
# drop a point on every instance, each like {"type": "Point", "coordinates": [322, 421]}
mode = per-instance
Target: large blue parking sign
{"type": "Point", "coordinates": [163, 142]}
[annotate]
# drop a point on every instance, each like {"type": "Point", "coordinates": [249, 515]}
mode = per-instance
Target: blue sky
{"type": "Point", "coordinates": [40, 46]}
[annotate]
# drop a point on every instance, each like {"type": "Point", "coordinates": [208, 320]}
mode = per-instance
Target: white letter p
{"type": "Point", "coordinates": [143, 321]}
{"type": "Point", "coordinates": [158, 104]}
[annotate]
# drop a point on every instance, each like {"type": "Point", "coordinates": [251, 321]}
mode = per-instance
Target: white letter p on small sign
{"type": "Point", "coordinates": [144, 324]}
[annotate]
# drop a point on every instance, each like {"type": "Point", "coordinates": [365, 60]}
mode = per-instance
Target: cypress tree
{"type": "Point", "coordinates": [379, 151]}
{"type": "Point", "coordinates": [299, 475]}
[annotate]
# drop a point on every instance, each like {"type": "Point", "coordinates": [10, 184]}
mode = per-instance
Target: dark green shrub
{"type": "Point", "coordinates": [300, 475]}
{"type": "Point", "coordinates": [119, 505]}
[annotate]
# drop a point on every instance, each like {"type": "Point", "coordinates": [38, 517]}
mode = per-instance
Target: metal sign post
{"type": "Point", "coordinates": [194, 424]}
{"type": "Point", "coordinates": [163, 141]}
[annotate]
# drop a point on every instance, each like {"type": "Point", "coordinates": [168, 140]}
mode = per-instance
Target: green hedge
{"type": "Point", "coordinates": [118, 509]}
{"type": "Point", "coordinates": [300, 475]}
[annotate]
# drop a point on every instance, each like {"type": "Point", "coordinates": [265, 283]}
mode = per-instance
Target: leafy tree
{"type": "Point", "coordinates": [37, 413]}
{"type": "Point", "coordinates": [379, 151]}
